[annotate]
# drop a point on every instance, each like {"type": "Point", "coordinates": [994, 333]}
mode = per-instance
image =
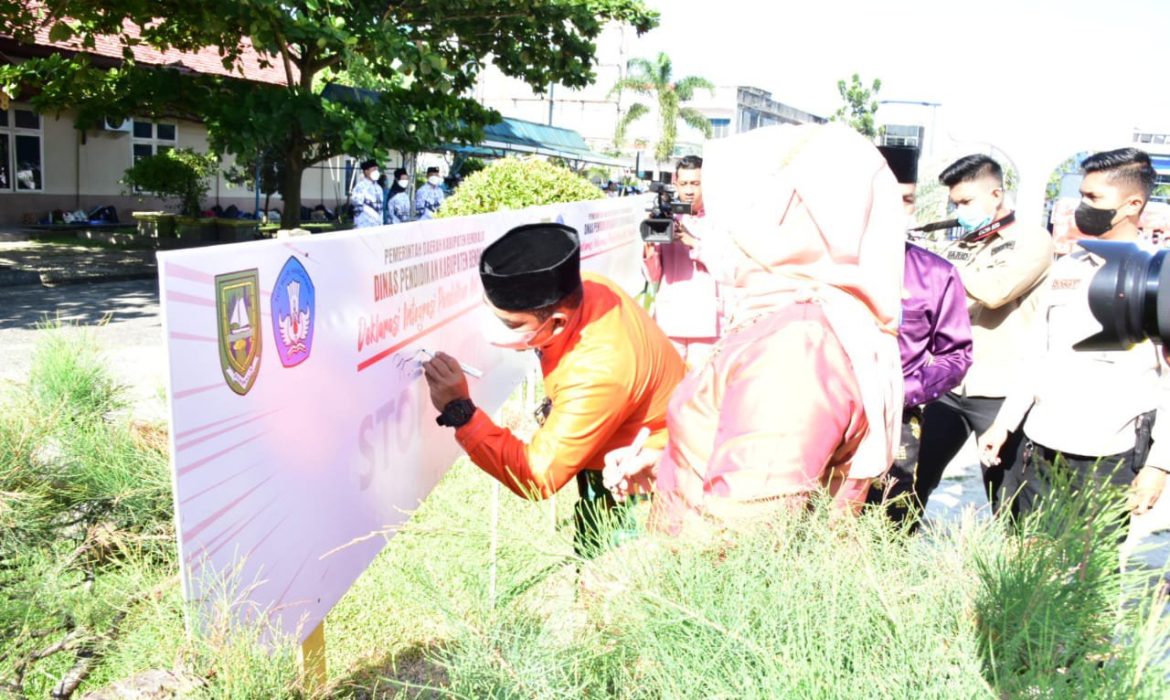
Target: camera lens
{"type": "Point", "coordinates": [1126, 296]}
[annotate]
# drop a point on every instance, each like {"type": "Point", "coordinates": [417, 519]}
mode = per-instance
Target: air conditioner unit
{"type": "Point", "coordinates": [124, 126]}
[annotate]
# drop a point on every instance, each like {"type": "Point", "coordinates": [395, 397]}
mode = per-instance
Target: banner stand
{"type": "Point", "coordinates": [300, 423]}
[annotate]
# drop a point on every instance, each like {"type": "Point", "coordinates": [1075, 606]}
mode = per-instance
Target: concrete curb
{"type": "Point", "coordinates": [29, 278]}
{"type": "Point", "coordinates": [18, 278]}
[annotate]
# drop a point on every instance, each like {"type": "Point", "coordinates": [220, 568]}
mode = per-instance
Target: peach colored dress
{"type": "Point", "coordinates": [804, 391]}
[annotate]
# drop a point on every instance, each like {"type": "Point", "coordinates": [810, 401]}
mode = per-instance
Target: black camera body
{"type": "Point", "coordinates": [659, 226]}
{"type": "Point", "coordinates": [1129, 296]}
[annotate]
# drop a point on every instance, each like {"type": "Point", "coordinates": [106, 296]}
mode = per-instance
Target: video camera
{"type": "Point", "coordinates": [1129, 296]}
{"type": "Point", "coordinates": [659, 226]}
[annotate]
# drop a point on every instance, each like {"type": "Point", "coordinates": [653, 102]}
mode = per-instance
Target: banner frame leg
{"type": "Point", "coordinates": [312, 658]}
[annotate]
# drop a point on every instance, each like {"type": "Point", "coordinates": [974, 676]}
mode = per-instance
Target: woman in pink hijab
{"type": "Point", "coordinates": [803, 393]}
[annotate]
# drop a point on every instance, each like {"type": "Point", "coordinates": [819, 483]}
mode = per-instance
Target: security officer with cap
{"type": "Point", "coordinates": [608, 371]}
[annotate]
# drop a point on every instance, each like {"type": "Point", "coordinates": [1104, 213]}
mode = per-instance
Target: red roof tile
{"type": "Point", "coordinates": [207, 61]}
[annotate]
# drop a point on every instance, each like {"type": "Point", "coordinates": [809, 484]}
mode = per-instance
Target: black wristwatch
{"type": "Point", "coordinates": [456, 414]}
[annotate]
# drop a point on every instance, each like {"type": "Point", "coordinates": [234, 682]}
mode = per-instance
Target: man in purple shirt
{"type": "Point", "coordinates": [935, 341]}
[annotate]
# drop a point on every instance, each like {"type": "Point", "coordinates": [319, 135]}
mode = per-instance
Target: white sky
{"type": "Point", "coordinates": [1005, 70]}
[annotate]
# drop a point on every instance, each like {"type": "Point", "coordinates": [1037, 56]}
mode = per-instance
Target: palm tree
{"type": "Point", "coordinates": [654, 80]}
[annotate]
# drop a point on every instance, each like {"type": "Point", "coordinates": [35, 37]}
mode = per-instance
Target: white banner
{"type": "Point", "coordinates": [299, 418]}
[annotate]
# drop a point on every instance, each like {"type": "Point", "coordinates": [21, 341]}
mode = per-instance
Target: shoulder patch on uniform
{"type": "Point", "coordinates": [1006, 245]}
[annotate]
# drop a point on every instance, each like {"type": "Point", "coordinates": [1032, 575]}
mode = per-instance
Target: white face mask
{"type": "Point", "coordinates": [374, 175]}
{"type": "Point", "coordinates": [434, 180]}
{"type": "Point", "coordinates": [496, 333]}
{"type": "Point", "coordinates": [403, 183]}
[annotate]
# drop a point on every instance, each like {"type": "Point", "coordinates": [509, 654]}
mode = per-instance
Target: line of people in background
{"type": "Point", "coordinates": [821, 352]}
{"type": "Point", "coordinates": [374, 204]}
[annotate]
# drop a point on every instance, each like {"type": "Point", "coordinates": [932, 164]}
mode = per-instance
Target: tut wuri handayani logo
{"type": "Point", "coordinates": [293, 313]}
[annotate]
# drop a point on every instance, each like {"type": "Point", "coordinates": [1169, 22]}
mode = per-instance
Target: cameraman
{"type": "Point", "coordinates": [686, 305]}
{"type": "Point", "coordinates": [1096, 410]}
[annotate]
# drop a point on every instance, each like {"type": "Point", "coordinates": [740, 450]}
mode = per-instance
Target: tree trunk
{"type": "Point", "coordinates": [290, 193]}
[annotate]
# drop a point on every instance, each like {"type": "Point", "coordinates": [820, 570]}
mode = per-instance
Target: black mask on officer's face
{"type": "Point", "coordinates": [1092, 221]}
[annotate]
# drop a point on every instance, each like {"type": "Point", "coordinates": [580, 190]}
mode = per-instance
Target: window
{"type": "Point", "coordinates": [720, 128]}
{"type": "Point", "coordinates": [901, 135]}
{"type": "Point", "coordinates": [20, 151]}
{"type": "Point", "coordinates": [150, 139]}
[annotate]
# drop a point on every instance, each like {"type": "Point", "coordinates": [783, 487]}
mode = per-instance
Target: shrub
{"type": "Point", "coordinates": [512, 183]}
{"type": "Point", "coordinates": [180, 174]}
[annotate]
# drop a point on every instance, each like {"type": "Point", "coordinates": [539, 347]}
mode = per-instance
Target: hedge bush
{"type": "Point", "coordinates": [511, 183]}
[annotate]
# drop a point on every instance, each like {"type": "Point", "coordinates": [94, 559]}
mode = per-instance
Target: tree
{"type": "Point", "coordinates": [263, 172]}
{"type": "Point", "coordinates": [412, 64]}
{"type": "Point", "coordinates": [181, 174]}
{"type": "Point", "coordinates": [655, 80]}
{"type": "Point", "coordinates": [1052, 188]}
{"type": "Point", "coordinates": [860, 105]}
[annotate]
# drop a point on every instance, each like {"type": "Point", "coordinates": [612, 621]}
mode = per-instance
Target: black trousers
{"type": "Point", "coordinates": [896, 491]}
{"type": "Point", "coordinates": [1044, 470]}
{"type": "Point", "coordinates": [946, 426]}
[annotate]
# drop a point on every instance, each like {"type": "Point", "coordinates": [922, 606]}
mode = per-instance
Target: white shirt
{"type": "Point", "coordinates": [1085, 403]}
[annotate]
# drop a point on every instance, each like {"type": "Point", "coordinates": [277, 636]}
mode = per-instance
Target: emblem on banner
{"type": "Point", "coordinates": [237, 308]}
{"type": "Point", "coordinates": [293, 313]}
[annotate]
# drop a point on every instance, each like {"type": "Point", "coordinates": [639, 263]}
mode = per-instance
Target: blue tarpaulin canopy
{"type": "Point", "coordinates": [509, 136]}
{"type": "Point", "coordinates": [519, 136]}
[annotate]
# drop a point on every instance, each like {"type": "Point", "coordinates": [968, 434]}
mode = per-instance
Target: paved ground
{"type": "Point", "coordinates": [122, 318]}
{"type": "Point", "coordinates": [63, 263]}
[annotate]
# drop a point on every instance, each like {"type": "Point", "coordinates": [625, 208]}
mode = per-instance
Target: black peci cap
{"type": "Point", "coordinates": [531, 267]}
{"type": "Point", "coordinates": [903, 160]}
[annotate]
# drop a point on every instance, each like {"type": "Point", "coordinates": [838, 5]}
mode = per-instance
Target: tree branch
{"type": "Point", "coordinates": [86, 660]}
{"type": "Point", "coordinates": [282, 44]}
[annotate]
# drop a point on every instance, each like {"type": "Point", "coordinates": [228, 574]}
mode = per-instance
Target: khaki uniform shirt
{"type": "Point", "coordinates": [1085, 403]}
{"type": "Point", "coordinates": [1002, 275]}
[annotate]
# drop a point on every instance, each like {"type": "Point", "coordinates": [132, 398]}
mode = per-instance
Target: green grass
{"type": "Point", "coordinates": [87, 553]}
{"type": "Point", "coordinates": [804, 607]}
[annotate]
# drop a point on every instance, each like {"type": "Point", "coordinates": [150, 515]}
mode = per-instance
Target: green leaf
{"type": "Point", "coordinates": [60, 32]}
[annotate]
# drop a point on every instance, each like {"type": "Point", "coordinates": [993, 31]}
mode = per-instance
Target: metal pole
{"type": "Point", "coordinates": [256, 183]}
{"type": "Point", "coordinates": [551, 92]}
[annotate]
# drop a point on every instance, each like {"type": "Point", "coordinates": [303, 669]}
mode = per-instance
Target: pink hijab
{"type": "Point", "coordinates": [822, 221]}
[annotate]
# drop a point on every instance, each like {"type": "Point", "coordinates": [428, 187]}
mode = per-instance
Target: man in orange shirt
{"type": "Point", "coordinates": [608, 370]}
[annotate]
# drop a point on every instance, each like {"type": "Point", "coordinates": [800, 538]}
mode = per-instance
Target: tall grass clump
{"type": "Point", "coordinates": [809, 606]}
{"type": "Point", "coordinates": [68, 378]}
{"type": "Point", "coordinates": [1056, 615]}
{"type": "Point", "coordinates": [89, 592]}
